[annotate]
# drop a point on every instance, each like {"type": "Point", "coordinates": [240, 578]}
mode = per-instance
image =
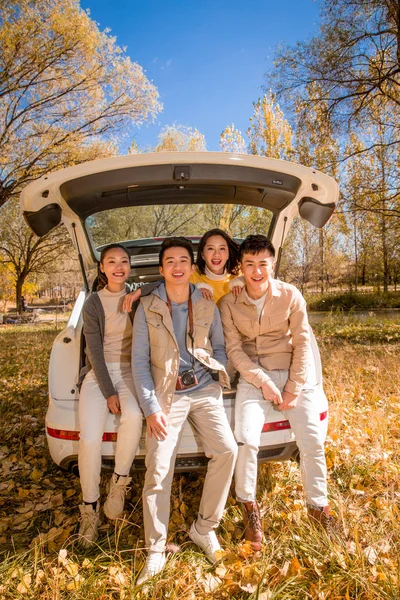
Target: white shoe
{"type": "Point", "coordinates": [114, 505]}
{"type": "Point", "coordinates": [155, 563]}
{"type": "Point", "coordinates": [89, 520]}
{"type": "Point", "coordinates": [208, 542]}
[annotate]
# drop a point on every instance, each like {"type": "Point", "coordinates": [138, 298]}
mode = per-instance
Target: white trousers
{"type": "Point", "coordinates": [93, 414]}
{"type": "Point", "coordinates": [251, 411]}
{"type": "Point", "coordinates": [205, 411]}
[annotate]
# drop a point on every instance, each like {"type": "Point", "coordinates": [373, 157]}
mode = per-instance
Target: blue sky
{"type": "Point", "coordinates": [206, 57]}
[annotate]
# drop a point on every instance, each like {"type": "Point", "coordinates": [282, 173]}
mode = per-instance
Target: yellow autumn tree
{"type": "Point", "coordinates": [63, 84]}
{"type": "Point", "coordinates": [270, 133]}
{"type": "Point", "coordinates": [231, 140]}
{"type": "Point", "coordinates": [371, 194]}
{"type": "Point", "coordinates": [316, 146]}
{"type": "Point", "coordinates": [178, 138]}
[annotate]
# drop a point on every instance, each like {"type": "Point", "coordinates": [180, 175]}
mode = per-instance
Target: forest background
{"type": "Point", "coordinates": [67, 92]}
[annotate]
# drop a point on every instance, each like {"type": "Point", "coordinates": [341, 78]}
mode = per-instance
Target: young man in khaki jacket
{"type": "Point", "coordinates": [268, 342]}
{"type": "Point", "coordinates": [177, 342]}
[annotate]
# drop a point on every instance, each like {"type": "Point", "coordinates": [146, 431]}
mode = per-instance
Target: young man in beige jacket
{"type": "Point", "coordinates": [177, 342]}
{"type": "Point", "coordinates": [268, 342]}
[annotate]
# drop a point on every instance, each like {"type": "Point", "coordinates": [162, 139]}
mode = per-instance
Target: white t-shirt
{"type": "Point", "coordinates": [259, 304]}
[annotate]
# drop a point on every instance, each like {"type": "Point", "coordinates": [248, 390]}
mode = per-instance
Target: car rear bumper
{"type": "Point", "coordinates": [185, 463]}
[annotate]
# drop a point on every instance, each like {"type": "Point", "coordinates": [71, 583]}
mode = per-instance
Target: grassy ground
{"type": "Point", "coordinates": [39, 503]}
{"type": "Point", "coordinates": [362, 300]}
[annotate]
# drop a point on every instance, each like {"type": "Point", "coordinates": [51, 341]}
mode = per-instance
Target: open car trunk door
{"type": "Point", "coordinates": [73, 194]}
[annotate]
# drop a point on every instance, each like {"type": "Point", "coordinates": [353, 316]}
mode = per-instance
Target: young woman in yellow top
{"type": "Point", "coordinates": [216, 271]}
{"type": "Point", "coordinates": [216, 264]}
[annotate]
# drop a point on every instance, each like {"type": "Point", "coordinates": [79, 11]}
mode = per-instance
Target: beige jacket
{"type": "Point", "coordinates": [279, 340]}
{"type": "Point", "coordinates": [164, 353]}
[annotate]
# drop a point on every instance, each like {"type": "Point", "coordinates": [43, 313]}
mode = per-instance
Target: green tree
{"type": "Point", "coordinates": [63, 84]}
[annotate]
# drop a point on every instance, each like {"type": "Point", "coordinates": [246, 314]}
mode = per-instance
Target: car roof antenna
{"type": "Point", "coordinates": [278, 258]}
{"type": "Point", "coordinates": [80, 257]}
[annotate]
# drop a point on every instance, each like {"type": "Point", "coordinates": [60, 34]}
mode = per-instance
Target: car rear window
{"type": "Point", "coordinates": [138, 222]}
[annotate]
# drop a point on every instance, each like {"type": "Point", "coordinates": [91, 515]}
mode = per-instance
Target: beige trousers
{"type": "Point", "coordinates": [205, 411]}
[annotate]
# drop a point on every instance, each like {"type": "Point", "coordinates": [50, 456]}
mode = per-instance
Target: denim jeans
{"type": "Point", "coordinates": [93, 414]}
{"type": "Point", "coordinates": [251, 411]}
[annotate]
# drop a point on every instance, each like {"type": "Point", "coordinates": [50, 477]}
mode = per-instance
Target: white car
{"type": "Point", "coordinates": [142, 199]}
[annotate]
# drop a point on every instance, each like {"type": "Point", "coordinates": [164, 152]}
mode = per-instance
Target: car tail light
{"type": "Point", "coordinates": [62, 434]}
{"type": "Point", "coordinates": [110, 436]}
{"type": "Point", "coordinates": [280, 425]}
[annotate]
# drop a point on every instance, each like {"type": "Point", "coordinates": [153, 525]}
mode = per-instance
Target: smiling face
{"type": "Point", "coordinates": [216, 254]}
{"type": "Point", "coordinates": [116, 267]}
{"type": "Point", "coordinates": [176, 266]}
{"type": "Point", "coordinates": [257, 270]}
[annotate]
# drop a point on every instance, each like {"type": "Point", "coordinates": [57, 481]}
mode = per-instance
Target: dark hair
{"type": "Point", "coordinates": [102, 277]}
{"type": "Point", "coordinates": [176, 242]}
{"type": "Point", "coordinates": [254, 244]}
{"type": "Point", "coordinates": [233, 248]}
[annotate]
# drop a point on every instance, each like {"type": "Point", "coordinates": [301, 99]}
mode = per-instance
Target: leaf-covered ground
{"type": "Point", "coordinates": [39, 503]}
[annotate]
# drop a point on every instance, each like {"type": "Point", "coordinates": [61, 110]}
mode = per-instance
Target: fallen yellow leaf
{"type": "Point", "coordinates": [36, 475]}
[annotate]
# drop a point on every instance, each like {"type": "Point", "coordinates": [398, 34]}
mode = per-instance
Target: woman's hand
{"type": "Point", "coordinates": [236, 290]}
{"type": "Point", "coordinates": [113, 404]}
{"type": "Point", "coordinates": [129, 299]}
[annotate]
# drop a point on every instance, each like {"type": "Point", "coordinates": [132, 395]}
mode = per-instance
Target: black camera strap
{"type": "Point", "coordinates": [190, 316]}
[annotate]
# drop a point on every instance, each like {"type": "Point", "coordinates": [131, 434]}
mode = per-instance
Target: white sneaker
{"type": "Point", "coordinates": [208, 542]}
{"type": "Point", "coordinates": [114, 505]}
{"type": "Point", "coordinates": [89, 520]}
{"type": "Point", "coordinates": [155, 563]}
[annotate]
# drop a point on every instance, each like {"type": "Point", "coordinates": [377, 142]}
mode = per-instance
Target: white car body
{"type": "Point", "coordinates": [71, 194]}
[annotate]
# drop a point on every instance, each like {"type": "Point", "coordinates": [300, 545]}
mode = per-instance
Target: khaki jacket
{"type": "Point", "coordinates": [164, 350]}
{"type": "Point", "coordinates": [280, 339]}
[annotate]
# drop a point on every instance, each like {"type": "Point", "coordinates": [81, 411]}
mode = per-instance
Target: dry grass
{"type": "Point", "coordinates": [38, 503]}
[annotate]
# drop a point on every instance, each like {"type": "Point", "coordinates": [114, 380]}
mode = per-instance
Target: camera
{"type": "Point", "coordinates": [186, 379]}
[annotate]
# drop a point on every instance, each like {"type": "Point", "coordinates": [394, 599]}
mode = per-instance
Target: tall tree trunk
{"type": "Point", "coordinates": [225, 220]}
{"type": "Point", "coordinates": [322, 259]}
{"type": "Point", "coordinates": [355, 253]}
{"type": "Point", "coordinates": [18, 292]}
{"type": "Point", "coordinates": [385, 257]}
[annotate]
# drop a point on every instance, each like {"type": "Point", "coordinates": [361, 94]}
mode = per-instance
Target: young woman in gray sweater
{"type": "Point", "coordinates": [107, 386]}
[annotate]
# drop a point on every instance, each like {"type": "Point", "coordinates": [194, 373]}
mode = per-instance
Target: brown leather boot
{"type": "Point", "coordinates": [252, 524]}
{"type": "Point", "coordinates": [321, 517]}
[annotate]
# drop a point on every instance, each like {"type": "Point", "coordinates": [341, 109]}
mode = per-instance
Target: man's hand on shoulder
{"type": "Point", "coordinates": [129, 299]}
{"type": "Point", "coordinates": [157, 425]}
{"type": "Point", "coordinates": [271, 392]}
{"type": "Point", "coordinates": [289, 401]}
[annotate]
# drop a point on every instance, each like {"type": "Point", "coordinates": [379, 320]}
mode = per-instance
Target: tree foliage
{"type": "Point", "coordinates": [178, 138]}
{"type": "Point", "coordinates": [22, 253]}
{"type": "Point", "coordinates": [63, 84]}
{"type": "Point", "coordinates": [270, 133]}
{"type": "Point", "coordinates": [231, 140]}
{"type": "Point", "coordinates": [354, 60]}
